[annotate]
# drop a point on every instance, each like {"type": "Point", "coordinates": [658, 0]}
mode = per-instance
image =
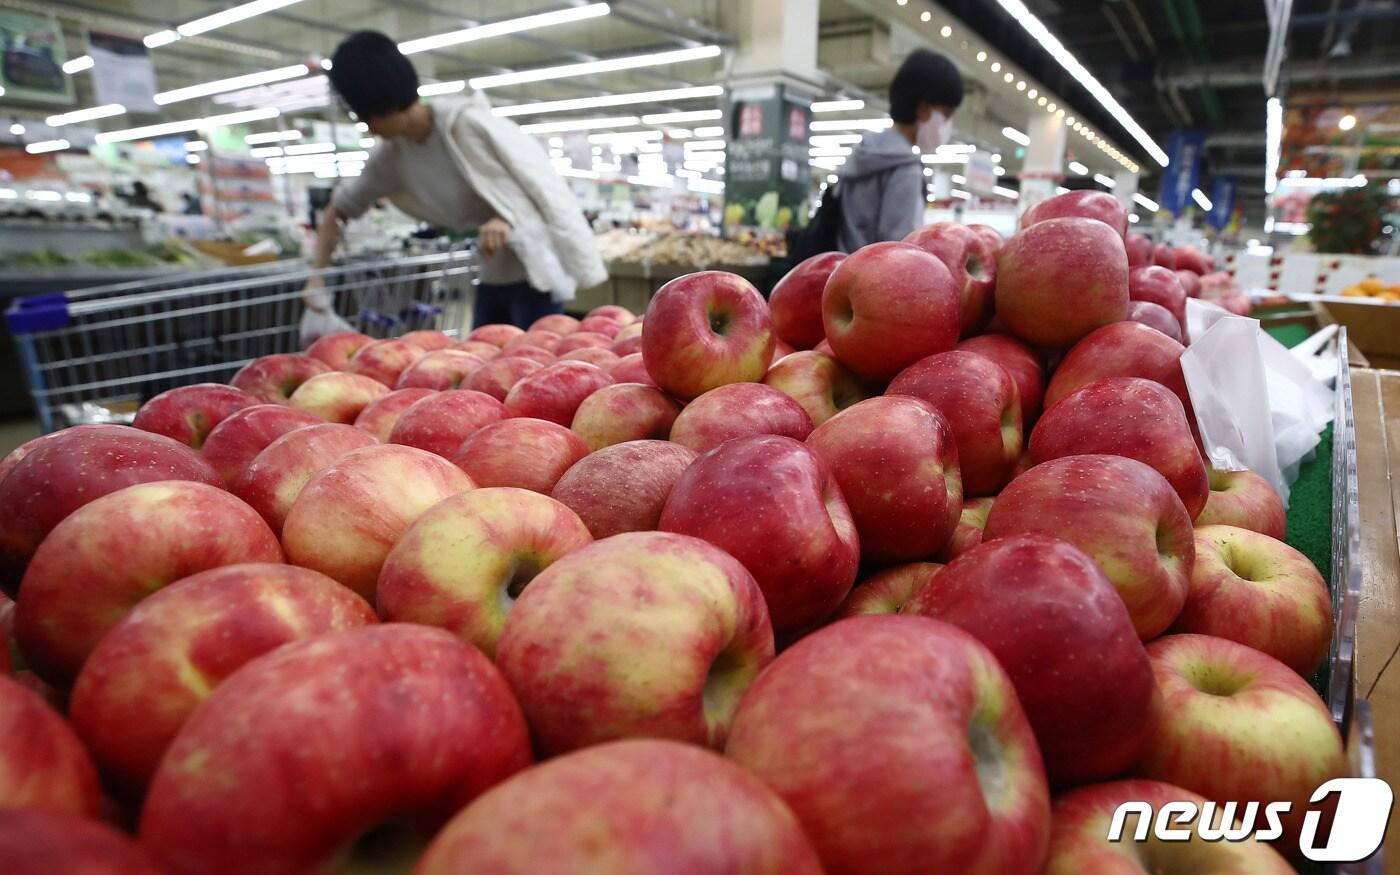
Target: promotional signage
{"type": "Point", "coordinates": [31, 67]}
{"type": "Point", "coordinates": [980, 173]}
{"type": "Point", "coordinates": [1183, 171]}
{"type": "Point", "coordinates": [1222, 199]}
{"type": "Point", "coordinates": [122, 72]}
{"type": "Point", "coordinates": [765, 168]}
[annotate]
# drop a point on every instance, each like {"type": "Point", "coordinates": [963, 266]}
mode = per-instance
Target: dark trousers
{"type": "Point", "coordinates": [513, 303]}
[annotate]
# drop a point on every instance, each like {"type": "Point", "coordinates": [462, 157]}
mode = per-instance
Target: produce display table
{"type": "Point", "coordinates": [1376, 399]}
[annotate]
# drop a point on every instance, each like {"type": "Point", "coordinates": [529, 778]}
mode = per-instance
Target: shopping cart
{"type": "Point", "coordinates": [89, 352]}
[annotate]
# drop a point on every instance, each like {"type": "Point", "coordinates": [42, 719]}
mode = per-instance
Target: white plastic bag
{"type": "Point", "coordinates": [1257, 406]}
{"type": "Point", "coordinates": [318, 319]}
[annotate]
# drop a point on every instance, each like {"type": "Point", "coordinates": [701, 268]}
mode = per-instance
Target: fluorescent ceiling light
{"type": "Point", "coordinates": [502, 28]}
{"type": "Point", "coordinates": [198, 124]}
{"type": "Point", "coordinates": [43, 194]}
{"type": "Point", "coordinates": [266, 151]}
{"type": "Point", "coordinates": [837, 105]}
{"type": "Point", "coordinates": [999, 170]}
{"type": "Point", "coordinates": [1295, 228]}
{"type": "Point", "coordinates": [651, 181]}
{"type": "Point", "coordinates": [85, 115]}
{"type": "Point", "coordinates": [625, 137]}
{"type": "Point", "coordinates": [78, 64]}
{"type": "Point", "coordinates": [958, 180]}
{"type": "Point", "coordinates": [1356, 181]}
{"type": "Point", "coordinates": [309, 148]}
{"type": "Point", "coordinates": [605, 100]}
{"type": "Point", "coordinates": [698, 145]}
{"type": "Point", "coordinates": [580, 124]}
{"type": "Point", "coordinates": [588, 68]}
{"type": "Point", "coordinates": [854, 124]}
{"type": "Point", "coordinates": [1273, 135]}
{"type": "Point", "coordinates": [959, 193]}
{"type": "Point", "coordinates": [8, 194]}
{"type": "Point", "coordinates": [1006, 192]}
{"type": "Point", "coordinates": [233, 83]}
{"type": "Point", "coordinates": [713, 131]}
{"type": "Point", "coordinates": [828, 163]}
{"type": "Point", "coordinates": [160, 38]}
{"type": "Point", "coordinates": [576, 173]}
{"type": "Point", "coordinates": [705, 186]}
{"type": "Point", "coordinates": [676, 118]}
{"type": "Point", "coordinates": [1145, 201]}
{"type": "Point", "coordinates": [17, 129]}
{"type": "Point", "coordinates": [1060, 189]}
{"type": "Point", "coordinates": [1037, 29]}
{"type": "Point", "coordinates": [77, 197]}
{"type": "Point", "coordinates": [1076, 167]}
{"type": "Point", "coordinates": [1134, 218]}
{"type": "Point", "coordinates": [271, 137]}
{"type": "Point", "coordinates": [196, 146]}
{"type": "Point", "coordinates": [1105, 181]}
{"type": "Point", "coordinates": [835, 140]}
{"type": "Point", "coordinates": [434, 89]}
{"type": "Point", "coordinates": [191, 158]}
{"type": "Point", "coordinates": [679, 133]}
{"type": "Point", "coordinates": [232, 15]}
{"type": "Point", "coordinates": [367, 142]}
{"type": "Point", "coordinates": [1015, 136]}
{"type": "Point", "coordinates": [940, 158]}
{"type": "Point", "coordinates": [828, 151]}
{"type": "Point", "coordinates": [1201, 200]}
{"type": "Point", "coordinates": [43, 146]}
{"type": "Point", "coordinates": [956, 149]}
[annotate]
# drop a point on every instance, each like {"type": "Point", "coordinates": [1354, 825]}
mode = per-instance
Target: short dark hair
{"type": "Point", "coordinates": [372, 76]}
{"type": "Point", "coordinates": [926, 76]}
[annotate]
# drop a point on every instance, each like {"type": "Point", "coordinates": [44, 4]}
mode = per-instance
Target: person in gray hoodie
{"type": "Point", "coordinates": [882, 182]}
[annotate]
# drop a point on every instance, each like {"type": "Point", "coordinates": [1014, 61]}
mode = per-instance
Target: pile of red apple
{"type": "Point", "coordinates": [915, 568]}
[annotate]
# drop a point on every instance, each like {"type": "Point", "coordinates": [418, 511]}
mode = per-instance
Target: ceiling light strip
{"type": "Point", "coordinates": [214, 121]}
{"type": "Point", "coordinates": [503, 28]}
{"type": "Point", "coordinates": [219, 86]}
{"type": "Point", "coordinates": [606, 100]}
{"type": "Point", "coordinates": [588, 68]}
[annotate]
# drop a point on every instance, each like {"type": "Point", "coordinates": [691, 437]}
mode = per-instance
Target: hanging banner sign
{"type": "Point", "coordinates": [1222, 200]}
{"type": "Point", "coordinates": [122, 72]}
{"type": "Point", "coordinates": [31, 66]}
{"type": "Point", "coordinates": [1183, 171]}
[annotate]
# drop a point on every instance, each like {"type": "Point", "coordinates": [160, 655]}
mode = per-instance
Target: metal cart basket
{"type": "Point", "coordinates": [118, 345]}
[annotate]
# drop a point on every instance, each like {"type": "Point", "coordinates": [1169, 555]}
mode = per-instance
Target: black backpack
{"type": "Point", "coordinates": [822, 233]}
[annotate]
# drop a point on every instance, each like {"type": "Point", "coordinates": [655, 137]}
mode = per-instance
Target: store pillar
{"type": "Point", "coordinates": [1044, 165]}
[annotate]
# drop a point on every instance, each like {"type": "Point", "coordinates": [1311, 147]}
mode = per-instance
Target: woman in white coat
{"type": "Point", "coordinates": [452, 163]}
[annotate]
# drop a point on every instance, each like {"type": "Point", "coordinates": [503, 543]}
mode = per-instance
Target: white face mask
{"type": "Point", "coordinates": [934, 132]}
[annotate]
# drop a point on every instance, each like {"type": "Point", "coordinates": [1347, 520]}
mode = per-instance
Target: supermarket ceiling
{"type": "Point", "coordinates": [1168, 64]}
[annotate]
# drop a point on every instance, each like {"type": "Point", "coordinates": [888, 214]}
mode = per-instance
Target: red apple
{"type": "Point", "coordinates": [1259, 591]}
{"type": "Point", "coordinates": [704, 330]}
{"type": "Point", "coordinates": [625, 412]}
{"type": "Point", "coordinates": [1040, 604]}
{"type": "Point", "coordinates": [603, 358]}
{"type": "Point", "coordinates": [496, 335]}
{"type": "Point", "coordinates": [968, 532]}
{"type": "Point", "coordinates": [555, 392]}
{"type": "Point", "coordinates": [307, 749]}
{"type": "Point", "coordinates": [529, 453]}
{"type": "Point", "coordinates": [273, 480]}
{"type": "Point", "coordinates": [796, 300]}
{"type": "Point", "coordinates": [350, 513]}
{"type": "Point", "coordinates": [380, 415]}
{"type": "Point", "coordinates": [1123, 514]}
{"type": "Point", "coordinates": [666, 807]}
{"type": "Point", "coordinates": [43, 765]}
{"type": "Point", "coordinates": [1164, 256]}
{"type": "Point", "coordinates": [774, 505]}
{"type": "Point", "coordinates": [498, 376]}
{"type": "Point", "coordinates": [337, 397]}
{"type": "Point", "coordinates": [978, 398]}
{"type": "Point", "coordinates": [479, 348]}
{"type": "Point", "coordinates": [7, 636]}
{"type": "Point", "coordinates": [1021, 363]}
{"type": "Point", "coordinates": [991, 235]}
{"type": "Point", "coordinates": [583, 340]}
{"type": "Point", "coordinates": [972, 262]}
{"type": "Point", "coordinates": [623, 487]}
{"type": "Point", "coordinates": [602, 325]}
{"type": "Point", "coordinates": [1139, 249]}
{"type": "Point", "coordinates": [428, 339]}
{"type": "Point", "coordinates": [15, 456]}
{"type": "Point", "coordinates": [628, 340]}
{"type": "Point", "coordinates": [463, 564]}
{"type": "Point", "coordinates": [888, 591]}
{"type": "Point", "coordinates": [439, 422]}
{"type": "Point", "coordinates": [1158, 286]}
{"type": "Point", "coordinates": [1246, 500]}
{"type": "Point", "coordinates": [440, 369]}
{"type": "Point", "coordinates": [881, 733]}
{"type": "Point", "coordinates": [1081, 821]}
{"type": "Point", "coordinates": [537, 338]}
{"type": "Point", "coordinates": [37, 842]}
{"type": "Point", "coordinates": [236, 441]}
{"type": "Point", "coordinates": [1127, 416]}
{"type": "Point", "coordinates": [555, 322]}
{"type": "Point", "coordinates": [385, 360]}
{"type": "Point", "coordinates": [1059, 279]}
{"type": "Point", "coordinates": [631, 369]}
{"type": "Point", "coordinates": [1123, 349]}
{"type": "Point", "coordinates": [896, 462]}
{"type": "Point", "coordinates": [1191, 282]}
{"type": "Point", "coordinates": [336, 350]}
{"type": "Point", "coordinates": [189, 413]}
{"type": "Point", "coordinates": [616, 312]}
{"type": "Point", "coordinates": [148, 674]}
{"type": "Point", "coordinates": [98, 563]}
{"type": "Point", "coordinates": [739, 410]}
{"type": "Point", "coordinates": [887, 305]}
{"type": "Point", "coordinates": [1155, 316]}
{"type": "Point", "coordinates": [1084, 203]}
{"type": "Point", "coordinates": [818, 383]}
{"type": "Point", "coordinates": [1189, 258]}
{"type": "Point", "coordinates": [641, 634]}
{"type": "Point", "coordinates": [273, 378]}
{"type": "Point", "coordinates": [66, 470]}
{"type": "Point", "coordinates": [1237, 725]}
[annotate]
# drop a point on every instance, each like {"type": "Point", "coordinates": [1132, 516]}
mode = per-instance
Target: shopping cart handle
{"type": "Point", "coordinates": [426, 309]}
{"type": "Point", "coordinates": [38, 313]}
